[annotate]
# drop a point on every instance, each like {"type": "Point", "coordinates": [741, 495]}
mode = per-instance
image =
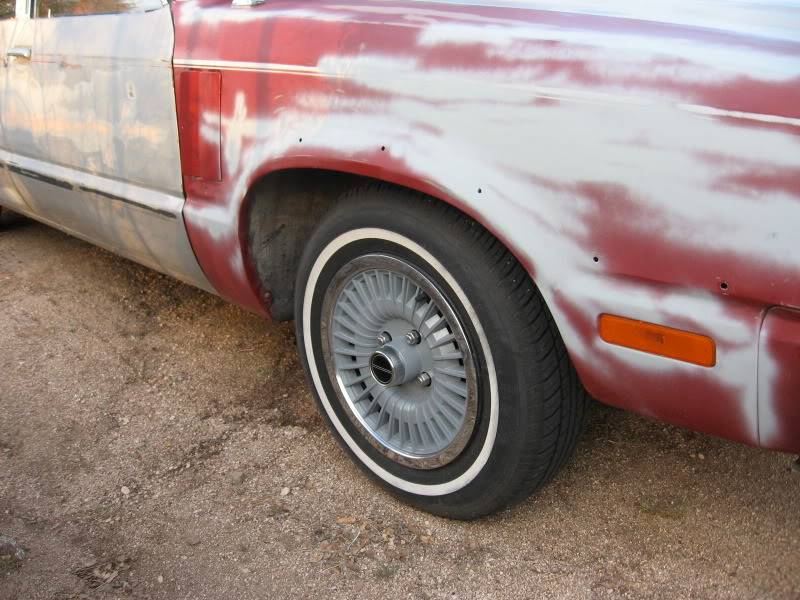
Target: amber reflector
{"type": "Point", "coordinates": [657, 339]}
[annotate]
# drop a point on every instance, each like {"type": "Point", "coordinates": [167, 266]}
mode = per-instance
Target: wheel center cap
{"type": "Point", "coordinates": [392, 366]}
{"type": "Point", "coordinates": [383, 369]}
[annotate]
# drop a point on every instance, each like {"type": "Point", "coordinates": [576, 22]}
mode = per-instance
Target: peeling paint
{"type": "Point", "coordinates": [669, 150]}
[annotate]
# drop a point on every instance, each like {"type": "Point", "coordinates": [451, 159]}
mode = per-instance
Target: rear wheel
{"type": "Point", "coordinates": [432, 354]}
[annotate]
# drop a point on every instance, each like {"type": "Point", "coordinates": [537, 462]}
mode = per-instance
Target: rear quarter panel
{"type": "Point", "coordinates": [634, 161]}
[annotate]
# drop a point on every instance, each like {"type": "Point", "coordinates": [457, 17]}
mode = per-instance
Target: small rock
{"type": "Point", "coordinates": [351, 565]}
{"type": "Point", "coordinates": [9, 547]}
{"type": "Point", "coordinates": [285, 491]}
{"type": "Point", "coordinates": [347, 520]}
{"type": "Point", "coordinates": [236, 477]}
{"type": "Point", "coordinates": [701, 456]}
{"type": "Point", "coordinates": [126, 491]}
{"type": "Point", "coordinates": [160, 579]}
{"type": "Point", "coordinates": [192, 538]}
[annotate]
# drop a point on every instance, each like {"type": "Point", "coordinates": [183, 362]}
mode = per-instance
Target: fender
{"type": "Point", "coordinates": [635, 166]}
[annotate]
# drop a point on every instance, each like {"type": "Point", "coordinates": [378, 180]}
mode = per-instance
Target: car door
{"type": "Point", "coordinates": [7, 24]}
{"type": "Point", "coordinates": [18, 93]}
{"type": "Point", "coordinates": [105, 162]}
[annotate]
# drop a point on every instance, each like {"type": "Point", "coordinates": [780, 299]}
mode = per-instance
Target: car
{"type": "Point", "coordinates": [479, 215]}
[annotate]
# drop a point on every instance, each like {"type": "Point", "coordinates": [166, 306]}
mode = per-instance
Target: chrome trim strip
{"type": "Point", "coordinates": [712, 111]}
{"type": "Point", "coordinates": [158, 211]}
{"type": "Point", "coordinates": [232, 65]}
{"type": "Point", "coordinates": [153, 201]}
{"type": "Point", "coordinates": [40, 177]}
{"type": "Point", "coordinates": [545, 92]}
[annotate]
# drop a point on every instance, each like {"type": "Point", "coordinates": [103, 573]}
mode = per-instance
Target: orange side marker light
{"type": "Point", "coordinates": [658, 339]}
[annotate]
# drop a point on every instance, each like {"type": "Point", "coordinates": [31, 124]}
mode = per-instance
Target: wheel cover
{"type": "Point", "coordinates": [415, 398]}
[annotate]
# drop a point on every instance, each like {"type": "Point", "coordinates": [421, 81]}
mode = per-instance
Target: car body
{"type": "Point", "coordinates": [640, 160]}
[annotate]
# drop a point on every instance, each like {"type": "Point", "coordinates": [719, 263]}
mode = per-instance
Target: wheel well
{"type": "Point", "coordinates": [282, 210]}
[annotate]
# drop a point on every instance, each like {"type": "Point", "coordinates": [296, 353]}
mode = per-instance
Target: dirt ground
{"type": "Point", "coordinates": [157, 442]}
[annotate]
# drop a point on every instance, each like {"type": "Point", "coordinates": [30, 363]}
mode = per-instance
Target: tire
{"type": "Point", "coordinates": [7, 217]}
{"type": "Point", "coordinates": [502, 407]}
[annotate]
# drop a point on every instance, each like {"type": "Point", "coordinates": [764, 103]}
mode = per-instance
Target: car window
{"type": "Point", "coordinates": [7, 9]}
{"type": "Point", "coordinates": [47, 9]}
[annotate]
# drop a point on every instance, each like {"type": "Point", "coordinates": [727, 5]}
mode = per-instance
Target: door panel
{"type": "Point", "coordinates": [104, 161]}
{"type": "Point", "coordinates": [110, 105]}
{"type": "Point", "coordinates": [7, 23]}
{"type": "Point", "coordinates": [19, 95]}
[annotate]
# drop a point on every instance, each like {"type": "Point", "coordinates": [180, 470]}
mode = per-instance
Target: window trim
{"type": "Point", "coordinates": [142, 6]}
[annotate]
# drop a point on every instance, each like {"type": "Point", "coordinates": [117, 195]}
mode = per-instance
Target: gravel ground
{"type": "Point", "coordinates": [157, 442]}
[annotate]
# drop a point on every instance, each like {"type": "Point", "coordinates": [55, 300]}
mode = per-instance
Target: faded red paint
{"type": "Point", "coordinates": [618, 223]}
{"type": "Point", "coordinates": [665, 218]}
{"type": "Point", "coordinates": [694, 399]}
{"type": "Point", "coordinates": [199, 92]}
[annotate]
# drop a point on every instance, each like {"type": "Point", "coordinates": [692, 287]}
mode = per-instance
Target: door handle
{"type": "Point", "coordinates": [24, 53]}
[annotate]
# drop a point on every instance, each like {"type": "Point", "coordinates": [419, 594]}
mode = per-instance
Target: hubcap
{"type": "Point", "coordinates": [403, 369]}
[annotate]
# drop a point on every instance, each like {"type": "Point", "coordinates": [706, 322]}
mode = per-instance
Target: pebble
{"type": "Point", "coordinates": [10, 547]}
{"type": "Point", "coordinates": [160, 579]}
{"type": "Point", "coordinates": [347, 520]}
{"type": "Point", "coordinates": [236, 477]}
{"type": "Point", "coordinates": [125, 490]}
{"type": "Point", "coordinates": [285, 491]}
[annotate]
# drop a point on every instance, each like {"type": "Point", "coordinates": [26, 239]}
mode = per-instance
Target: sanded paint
{"type": "Point", "coordinates": [779, 380]}
{"type": "Point", "coordinates": [640, 162]}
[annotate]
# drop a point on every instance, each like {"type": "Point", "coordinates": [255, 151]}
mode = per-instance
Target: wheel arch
{"type": "Point", "coordinates": [286, 198]}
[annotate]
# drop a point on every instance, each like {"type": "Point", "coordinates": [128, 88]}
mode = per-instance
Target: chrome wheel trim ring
{"type": "Point", "coordinates": [443, 488]}
{"type": "Point", "coordinates": [422, 425]}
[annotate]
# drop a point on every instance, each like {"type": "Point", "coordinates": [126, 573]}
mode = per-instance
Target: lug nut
{"type": "Point", "coordinates": [384, 338]}
{"type": "Point", "coordinates": [424, 379]}
{"type": "Point", "coordinates": [413, 337]}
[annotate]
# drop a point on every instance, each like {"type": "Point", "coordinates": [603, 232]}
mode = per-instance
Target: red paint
{"type": "Point", "coordinates": [694, 398]}
{"type": "Point", "coordinates": [199, 94]}
{"type": "Point", "coordinates": [634, 242]}
{"type": "Point", "coordinates": [618, 223]}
